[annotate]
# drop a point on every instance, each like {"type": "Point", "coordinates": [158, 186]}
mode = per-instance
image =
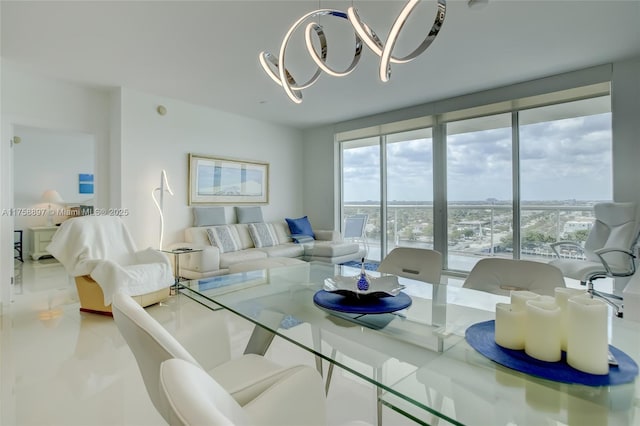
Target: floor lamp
{"type": "Point", "coordinates": [164, 186]}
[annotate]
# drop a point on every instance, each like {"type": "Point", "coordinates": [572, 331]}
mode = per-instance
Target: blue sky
{"type": "Point", "coordinates": [560, 160]}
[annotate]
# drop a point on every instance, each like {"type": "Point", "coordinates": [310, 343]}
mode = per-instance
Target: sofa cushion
{"type": "Point", "coordinates": [227, 259]}
{"type": "Point", "coordinates": [301, 226]}
{"type": "Point", "coordinates": [208, 216]}
{"type": "Point", "coordinates": [263, 235]}
{"type": "Point", "coordinates": [251, 214]}
{"type": "Point", "coordinates": [282, 231]}
{"type": "Point", "coordinates": [197, 235]}
{"type": "Point", "coordinates": [245, 238]}
{"type": "Point", "coordinates": [284, 250]}
{"type": "Point", "coordinates": [333, 248]}
{"type": "Point", "coordinates": [226, 238]}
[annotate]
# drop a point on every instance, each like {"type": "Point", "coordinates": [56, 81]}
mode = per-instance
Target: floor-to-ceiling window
{"type": "Point", "coordinates": [479, 189]}
{"type": "Point", "coordinates": [361, 187]}
{"type": "Point", "coordinates": [409, 184]}
{"type": "Point", "coordinates": [396, 194]}
{"type": "Point", "coordinates": [514, 181]}
{"type": "Point", "coordinates": [565, 167]}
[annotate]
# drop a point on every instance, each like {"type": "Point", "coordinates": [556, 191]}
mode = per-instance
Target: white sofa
{"type": "Point", "coordinates": [328, 246]}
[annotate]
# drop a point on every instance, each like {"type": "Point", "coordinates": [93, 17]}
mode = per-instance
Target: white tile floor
{"type": "Point", "coordinates": [59, 366]}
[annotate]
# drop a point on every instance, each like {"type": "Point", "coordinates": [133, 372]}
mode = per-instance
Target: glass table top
{"type": "Point", "coordinates": [418, 357]}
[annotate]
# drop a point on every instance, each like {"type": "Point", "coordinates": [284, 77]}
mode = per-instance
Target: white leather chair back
{"type": "Point", "coordinates": [614, 227]}
{"type": "Point", "coordinates": [501, 276]}
{"type": "Point", "coordinates": [150, 343]}
{"type": "Point", "coordinates": [414, 263]}
{"type": "Point", "coordinates": [193, 397]}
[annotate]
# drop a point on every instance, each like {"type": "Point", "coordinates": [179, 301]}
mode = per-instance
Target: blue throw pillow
{"type": "Point", "coordinates": [300, 226]}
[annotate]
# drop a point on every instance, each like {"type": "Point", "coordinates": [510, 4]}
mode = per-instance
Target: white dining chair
{"type": "Point", "coordinates": [501, 276]}
{"type": "Point", "coordinates": [194, 398]}
{"type": "Point", "coordinates": [414, 263]}
{"type": "Point", "coordinates": [245, 378]}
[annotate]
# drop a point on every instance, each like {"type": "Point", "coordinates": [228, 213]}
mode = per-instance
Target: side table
{"type": "Point", "coordinates": [41, 237]}
{"type": "Point", "coordinates": [176, 267]}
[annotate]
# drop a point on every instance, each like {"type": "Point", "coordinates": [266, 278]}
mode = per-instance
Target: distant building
{"type": "Point", "coordinates": [577, 225]}
{"type": "Point", "coordinates": [474, 225]}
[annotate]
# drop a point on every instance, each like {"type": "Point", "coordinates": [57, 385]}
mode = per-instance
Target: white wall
{"type": "Point", "coordinates": [625, 104]}
{"type": "Point", "coordinates": [320, 199]}
{"type": "Point", "coordinates": [151, 142]}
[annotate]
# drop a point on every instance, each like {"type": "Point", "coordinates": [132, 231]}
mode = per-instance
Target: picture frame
{"type": "Point", "coordinates": [221, 180]}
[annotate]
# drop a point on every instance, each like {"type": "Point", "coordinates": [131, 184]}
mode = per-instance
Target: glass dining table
{"type": "Point", "coordinates": [417, 358]}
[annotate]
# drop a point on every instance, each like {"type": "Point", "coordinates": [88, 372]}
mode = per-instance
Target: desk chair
{"type": "Point", "coordinates": [501, 276]}
{"type": "Point", "coordinates": [608, 250]}
{"type": "Point", "coordinates": [244, 378]}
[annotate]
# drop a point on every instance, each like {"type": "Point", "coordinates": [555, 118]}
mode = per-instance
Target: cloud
{"type": "Point", "coordinates": [561, 159]}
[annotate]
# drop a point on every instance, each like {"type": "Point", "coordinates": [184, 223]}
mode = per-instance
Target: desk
{"type": "Point", "coordinates": [425, 369]}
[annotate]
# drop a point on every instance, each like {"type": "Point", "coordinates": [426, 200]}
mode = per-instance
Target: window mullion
{"type": "Point", "coordinates": [383, 196]}
{"type": "Point", "coordinates": [515, 161]}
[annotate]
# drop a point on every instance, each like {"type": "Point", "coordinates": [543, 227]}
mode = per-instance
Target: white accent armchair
{"type": "Point", "coordinates": [100, 253]}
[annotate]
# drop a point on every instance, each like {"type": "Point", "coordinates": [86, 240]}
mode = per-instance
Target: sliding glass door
{"type": "Point", "coordinates": [396, 194]}
{"type": "Point", "coordinates": [361, 187]}
{"type": "Point", "coordinates": [409, 185]}
{"type": "Point", "coordinates": [479, 189]}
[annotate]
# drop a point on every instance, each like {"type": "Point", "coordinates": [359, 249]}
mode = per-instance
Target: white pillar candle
{"type": "Point", "coordinates": [587, 343]}
{"type": "Point", "coordinates": [519, 298]}
{"type": "Point", "coordinates": [510, 326]}
{"type": "Point", "coordinates": [562, 297]}
{"type": "Point", "coordinates": [542, 335]}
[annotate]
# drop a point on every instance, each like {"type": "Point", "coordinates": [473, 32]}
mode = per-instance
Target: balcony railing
{"type": "Point", "coordinates": [478, 230]}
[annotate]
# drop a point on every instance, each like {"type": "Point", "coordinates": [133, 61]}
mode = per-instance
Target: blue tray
{"type": "Point", "coordinates": [481, 337]}
{"type": "Point", "coordinates": [367, 305]}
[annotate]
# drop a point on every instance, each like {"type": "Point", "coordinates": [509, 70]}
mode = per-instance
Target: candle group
{"type": "Point", "coordinates": [544, 326]}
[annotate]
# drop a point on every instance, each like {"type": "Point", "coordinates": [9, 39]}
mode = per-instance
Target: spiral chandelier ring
{"type": "Point", "coordinates": [283, 77]}
{"type": "Point", "coordinates": [363, 34]}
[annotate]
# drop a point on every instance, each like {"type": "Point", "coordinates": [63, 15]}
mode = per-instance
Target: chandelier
{"type": "Point", "coordinates": [274, 66]}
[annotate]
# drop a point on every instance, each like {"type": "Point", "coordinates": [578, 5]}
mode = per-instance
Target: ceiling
{"type": "Point", "coordinates": [205, 52]}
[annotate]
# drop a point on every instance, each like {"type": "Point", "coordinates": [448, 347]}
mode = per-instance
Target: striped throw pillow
{"type": "Point", "coordinates": [263, 234]}
{"type": "Point", "coordinates": [224, 237]}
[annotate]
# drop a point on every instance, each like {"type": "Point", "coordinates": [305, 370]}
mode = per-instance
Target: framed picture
{"type": "Point", "coordinates": [226, 180]}
{"type": "Point", "coordinates": [85, 183]}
